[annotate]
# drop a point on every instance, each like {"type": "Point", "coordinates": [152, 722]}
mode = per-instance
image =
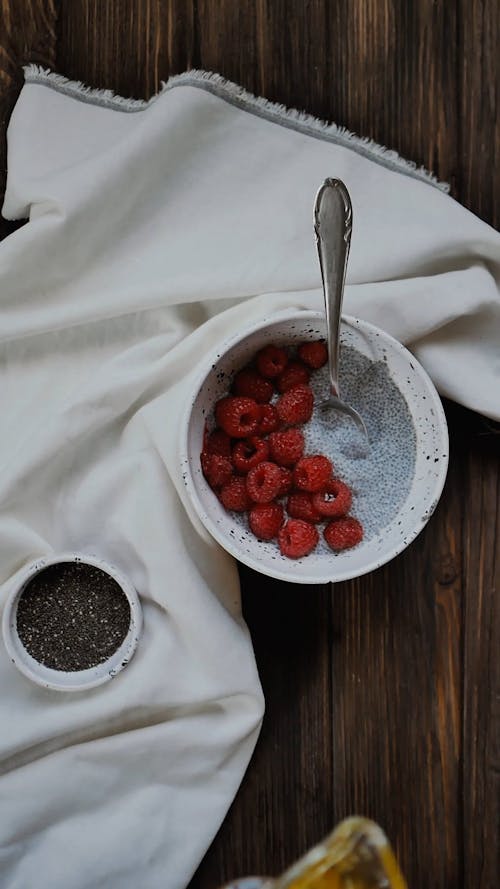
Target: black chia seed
{"type": "Point", "coordinates": [72, 616]}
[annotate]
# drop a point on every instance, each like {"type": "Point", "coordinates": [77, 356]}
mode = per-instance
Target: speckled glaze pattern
{"type": "Point", "coordinates": [430, 462]}
{"type": "Point", "coordinates": [59, 680]}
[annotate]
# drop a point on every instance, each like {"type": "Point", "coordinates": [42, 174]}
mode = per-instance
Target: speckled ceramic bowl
{"type": "Point", "coordinates": [431, 450]}
{"type": "Point", "coordinates": [78, 680]}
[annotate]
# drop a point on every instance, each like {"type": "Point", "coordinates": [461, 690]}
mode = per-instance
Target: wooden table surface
{"type": "Point", "coordinates": [383, 694]}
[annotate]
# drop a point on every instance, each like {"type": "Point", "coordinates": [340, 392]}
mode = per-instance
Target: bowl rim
{"type": "Point", "coordinates": [61, 680]}
{"type": "Point", "coordinates": [221, 349]}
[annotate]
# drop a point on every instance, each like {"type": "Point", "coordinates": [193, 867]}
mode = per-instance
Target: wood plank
{"type": "Point", "coordinates": [481, 709]}
{"type": "Point", "coordinates": [27, 34]}
{"type": "Point", "coordinates": [479, 139]}
{"type": "Point", "coordinates": [479, 135]}
{"type": "Point", "coordinates": [392, 73]}
{"type": "Point", "coordinates": [228, 40]}
{"type": "Point", "coordinates": [129, 47]}
{"type": "Point", "coordinates": [397, 696]}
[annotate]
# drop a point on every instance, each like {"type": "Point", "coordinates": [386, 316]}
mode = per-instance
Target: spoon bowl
{"type": "Point", "coordinates": [327, 413]}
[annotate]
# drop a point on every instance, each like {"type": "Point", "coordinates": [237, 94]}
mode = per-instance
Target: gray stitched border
{"type": "Point", "coordinates": [307, 129]}
{"type": "Point", "coordinates": [241, 99]}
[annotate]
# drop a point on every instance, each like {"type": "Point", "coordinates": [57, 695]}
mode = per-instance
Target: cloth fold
{"type": "Point", "coordinates": [156, 230]}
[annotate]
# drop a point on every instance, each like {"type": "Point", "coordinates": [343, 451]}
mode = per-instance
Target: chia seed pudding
{"type": "Point", "coordinates": [381, 480]}
{"type": "Point", "coordinates": [72, 616]}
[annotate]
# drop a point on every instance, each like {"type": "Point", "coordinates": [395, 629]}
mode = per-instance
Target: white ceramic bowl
{"type": "Point", "coordinates": [59, 680]}
{"type": "Point", "coordinates": [431, 450]}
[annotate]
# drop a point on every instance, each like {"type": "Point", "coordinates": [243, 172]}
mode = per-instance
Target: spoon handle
{"type": "Point", "coordinates": [333, 226]}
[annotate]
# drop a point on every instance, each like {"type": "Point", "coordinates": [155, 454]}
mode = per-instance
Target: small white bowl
{"type": "Point", "coordinates": [431, 449]}
{"type": "Point", "coordinates": [78, 680]}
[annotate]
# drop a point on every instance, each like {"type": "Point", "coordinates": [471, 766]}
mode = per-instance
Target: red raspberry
{"type": "Point", "coordinates": [295, 373]}
{"type": "Point", "coordinates": [269, 420]}
{"type": "Point", "coordinates": [312, 473]}
{"type": "Point", "coordinates": [265, 520]}
{"type": "Point", "coordinates": [300, 506]}
{"type": "Point", "coordinates": [286, 447]}
{"type": "Point", "coordinates": [218, 442]}
{"type": "Point", "coordinates": [249, 383]}
{"type": "Point", "coordinates": [249, 453]}
{"type": "Point", "coordinates": [343, 533]}
{"type": "Point", "coordinates": [285, 483]}
{"type": "Point", "coordinates": [234, 495]}
{"type": "Point", "coordinates": [334, 500]}
{"type": "Point", "coordinates": [297, 538]}
{"type": "Point", "coordinates": [239, 417]}
{"type": "Point", "coordinates": [295, 406]}
{"type": "Point", "coordinates": [271, 361]}
{"type": "Point", "coordinates": [264, 482]}
{"type": "Point", "coordinates": [216, 469]}
{"type": "Point", "coordinates": [315, 354]}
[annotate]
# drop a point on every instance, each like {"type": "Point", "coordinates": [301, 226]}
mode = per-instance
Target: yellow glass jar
{"type": "Point", "coordinates": [357, 855]}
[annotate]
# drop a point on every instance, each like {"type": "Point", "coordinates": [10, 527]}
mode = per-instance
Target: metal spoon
{"type": "Point", "coordinates": [333, 226]}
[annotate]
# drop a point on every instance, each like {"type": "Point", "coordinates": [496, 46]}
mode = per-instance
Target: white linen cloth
{"type": "Point", "coordinates": [155, 230]}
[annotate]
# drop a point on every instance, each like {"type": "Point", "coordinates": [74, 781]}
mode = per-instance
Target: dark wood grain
{"type": "Point", "coordinates": [27, 34]}
{"type": "Point", "coordinates": [479, 112]}
{"type": "Point", "coordinates": [128, 46]}
{"type": "Point", "coordinates": [398, 695]}
{"type": "Point", "coordinates": [481, 694]}
{"type": "Point", "coordinates": [383, 694]}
